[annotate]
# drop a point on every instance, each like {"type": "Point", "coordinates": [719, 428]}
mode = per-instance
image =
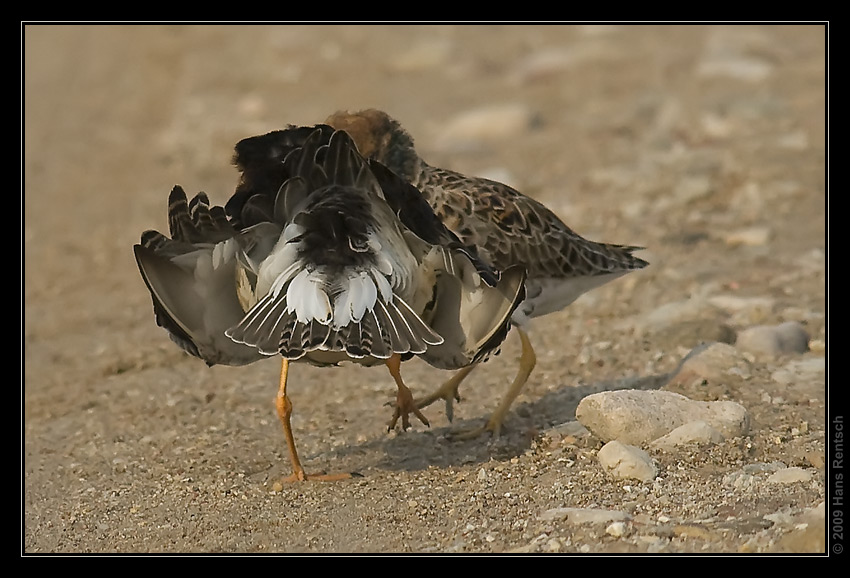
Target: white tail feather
{"type": "Point", "coordinates": [307, 298]}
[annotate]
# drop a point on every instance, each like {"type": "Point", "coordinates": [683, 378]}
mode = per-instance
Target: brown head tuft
{"type": "Point", "coordinates": [380, 137]}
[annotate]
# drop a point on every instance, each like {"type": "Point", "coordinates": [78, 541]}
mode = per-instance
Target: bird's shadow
{"type": "Point", "coordinates": [419, 449]}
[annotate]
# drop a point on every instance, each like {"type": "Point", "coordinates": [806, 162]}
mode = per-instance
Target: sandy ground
{"type": "Point", "coordinates": [705, 144]}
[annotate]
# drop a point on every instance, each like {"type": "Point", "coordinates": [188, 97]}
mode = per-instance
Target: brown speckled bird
{"type": "Point", "coordinates": [506, 227]}
{"type": "Point", "coordinates": [322, 256]}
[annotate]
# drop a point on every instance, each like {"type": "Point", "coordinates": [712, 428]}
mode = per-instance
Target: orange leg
{"type": "Point", "coordinates": [284, 411]}
{"type": "Point", "coordinates": [404, 402]}
{"type": "Point", "coordinates": [527, 361]}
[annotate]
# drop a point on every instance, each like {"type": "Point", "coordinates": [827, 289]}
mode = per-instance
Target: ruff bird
{"type": "Point", "coordinates": [322, 256]}
{"type": "Point", "coordinates": [507, 228]}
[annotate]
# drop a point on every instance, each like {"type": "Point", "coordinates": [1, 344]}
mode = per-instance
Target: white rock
{"type": "Point", "coordinates": [639, 417]}
{"type": "Point", "coordinates": [790, 476]}
{"type": "Point", "coordinates": [625, 461]}
{"type": "Point", "coordinates": [788, 337]}
{"type": "Point", "coordinates": [696, 432]}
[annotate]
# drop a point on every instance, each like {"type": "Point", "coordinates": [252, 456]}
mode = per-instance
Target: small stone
{"type": "Point", "coordinates": [624, 461]}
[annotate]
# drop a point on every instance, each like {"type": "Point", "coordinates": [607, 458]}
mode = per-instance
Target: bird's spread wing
{"type": "Point", "coordinates": [191, 280]}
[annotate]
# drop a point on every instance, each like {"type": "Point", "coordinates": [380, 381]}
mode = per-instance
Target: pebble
{"type": "Point", "coordinates": [625, 461]}
{"type": "Point", "coordinates": [640, 417]}
{"type": "Point", "coordinates": [694, 432]}
{"type": "Point", "coordinates": [788, 337]}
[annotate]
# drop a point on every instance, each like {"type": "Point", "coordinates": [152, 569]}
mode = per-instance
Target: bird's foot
{"type": "Point", "coordinates": [404, 406]}
{"type": "Point", "coordinates": [448, 393]}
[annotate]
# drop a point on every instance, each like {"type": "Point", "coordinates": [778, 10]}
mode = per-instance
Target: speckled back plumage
{"type": "Point", "coordinates": [506, 227]}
